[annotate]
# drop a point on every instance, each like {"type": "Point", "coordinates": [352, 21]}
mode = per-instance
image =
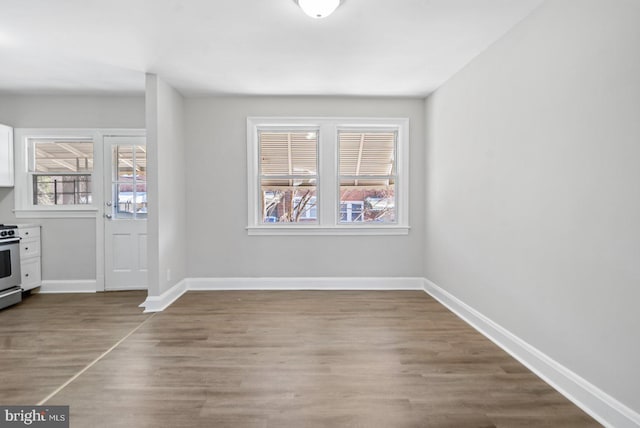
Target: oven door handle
{"type": "Point", "coordinates": [10, 240]}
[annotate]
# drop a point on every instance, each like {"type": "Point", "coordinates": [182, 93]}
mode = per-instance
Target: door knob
{"type": "Point", "coordinates": [109, 203]}
{"type": "Point", "coordinates": [108, 216]}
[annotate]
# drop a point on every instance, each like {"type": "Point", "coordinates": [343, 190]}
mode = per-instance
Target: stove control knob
{"type": "Point", "coordinates": [3, 233]}
{"type": "Point", "coordinates": [11, 232]}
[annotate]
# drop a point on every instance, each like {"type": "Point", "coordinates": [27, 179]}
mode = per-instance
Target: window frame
{"type": "Point", "coordinates": [297, 129]}
{"type": "Point", "coordinates": [32, 173]}
{"type": "Point", "coordinates": [395, 176]}
{"type": "Point", "coordinates": [328, 183]}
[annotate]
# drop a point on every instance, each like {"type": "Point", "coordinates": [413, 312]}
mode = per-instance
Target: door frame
{"type": "Point", "coordinates": [100, 201]}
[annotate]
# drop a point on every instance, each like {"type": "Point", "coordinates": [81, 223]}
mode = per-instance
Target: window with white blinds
{"type": "Point", "coordinates": [327, 176]}
{"type": "Point", "coordinates": [368, 175]}
{"type": "Point", "coordinates": [288, 176]}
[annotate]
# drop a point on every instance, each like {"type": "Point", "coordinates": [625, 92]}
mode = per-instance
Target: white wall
{"type": "Point", "coordinates": [72, 111]}
{"type": "Point", "coordinates": [167, 235]}
{"type": "Point", "coordinates": [217, 196]}
{"type": "Point", "coordinates": [68, 245]}
{"type": "Point", "coordinates": [533, 187]}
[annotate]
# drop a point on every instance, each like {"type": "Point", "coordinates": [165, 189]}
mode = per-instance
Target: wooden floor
{"type": "Point", "coordinates": [268, 359]}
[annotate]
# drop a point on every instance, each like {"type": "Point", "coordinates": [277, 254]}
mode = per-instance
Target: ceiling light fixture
{"type": "Point", "coordinates": [318, 8]}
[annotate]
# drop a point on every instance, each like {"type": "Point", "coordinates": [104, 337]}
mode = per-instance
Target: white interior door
{"type": "Point", "coordinates": [125, 224]}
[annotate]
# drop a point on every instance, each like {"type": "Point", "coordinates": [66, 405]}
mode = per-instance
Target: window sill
{"type": "Point", "coordinates": [60, 212]}
{"type": "Point", "coordinates": [290, 230]}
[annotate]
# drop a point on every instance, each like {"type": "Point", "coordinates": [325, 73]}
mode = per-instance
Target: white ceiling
{"type": "Point", "coordinates": [367, 47]}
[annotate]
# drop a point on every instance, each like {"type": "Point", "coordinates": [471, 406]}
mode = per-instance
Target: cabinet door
{"type": "Point", "coordinates": [29, 248]}
{"type": "Point", "coordinates": [31, 274]}
{"type": "Point", "coordinates": [6, 156]}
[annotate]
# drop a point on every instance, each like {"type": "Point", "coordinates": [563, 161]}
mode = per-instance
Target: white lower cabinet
{"type": "Point", "coordinates": [30, 256]}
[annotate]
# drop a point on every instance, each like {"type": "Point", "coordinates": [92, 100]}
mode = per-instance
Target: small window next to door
{"type": "Point", "coordinates": [129, 181]}
{"type": "Point", "coordinates": [61, 171]}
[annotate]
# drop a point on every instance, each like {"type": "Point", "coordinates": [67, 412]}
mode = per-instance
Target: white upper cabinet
{"type": "Point", "coordinates": [6, 156]}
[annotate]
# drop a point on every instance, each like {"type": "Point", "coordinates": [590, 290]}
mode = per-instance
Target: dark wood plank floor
{"type": "Point", "coordinates": [274, 359]}
{"type": "Point", "coordinates": [47, 339]}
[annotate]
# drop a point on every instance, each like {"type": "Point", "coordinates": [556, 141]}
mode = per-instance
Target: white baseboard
{"type": "Point", "coordinates": [68, 286]}
{"type": "Point", "coordinates": [161, 302]}
{"type": "Point", "coordinates": [315, 283]}
{"type": "Point", "coordinates": [601, 406]}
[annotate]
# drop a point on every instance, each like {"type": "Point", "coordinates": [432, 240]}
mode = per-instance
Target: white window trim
{"type": "Point", "coordinates": [23, 188]}
{"type": "Point", "coordinates": [327, 189]}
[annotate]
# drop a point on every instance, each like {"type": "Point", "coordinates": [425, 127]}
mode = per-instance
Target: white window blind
{"type": "Point", "coordinates": [288, 176]}
{"type": "Point", "coordinates": [368, 174]}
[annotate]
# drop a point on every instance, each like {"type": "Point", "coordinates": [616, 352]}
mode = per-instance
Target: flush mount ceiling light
{"type": "Point", "coordinates": [318, 8]}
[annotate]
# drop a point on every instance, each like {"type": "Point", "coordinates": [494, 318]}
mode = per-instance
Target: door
{"type": "Point", "coordinates": [125, 223]}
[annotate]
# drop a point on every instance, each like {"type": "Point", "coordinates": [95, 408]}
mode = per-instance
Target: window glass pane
{"type": "Point", "coordinates": [123, 162]}
{"type": "Point", "coordinates": [367, 153]}
{"type": "Point", "coordinates": [141, 163]}
{"type": "Point", "coordinates": [130, 204]}
{"type": "Point", "coordinates": [288, 153]}
{"type": "Point", "coordinates": [124, 195]}
{"type": "Point", "coordinates": [62, 189]}
{"type": "Point", "coordinates": [367, 201]}
{"type": "Point", "coordinates": [62, 156]}
{"type": "Point", "coordinates": [284, 203]}
{"type": "Point", "coordinates": [141, 199]}
{"type": "Point", "coordinates": [129, 181]}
